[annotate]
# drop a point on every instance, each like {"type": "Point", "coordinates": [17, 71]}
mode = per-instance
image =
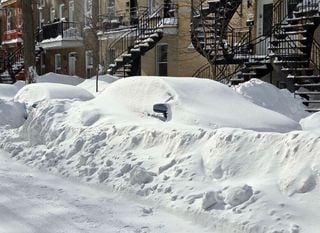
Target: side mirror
{"type": "Point", "coordinates": [161, 108]}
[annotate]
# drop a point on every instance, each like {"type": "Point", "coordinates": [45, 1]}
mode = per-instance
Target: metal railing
{"type": "Point", "coordinates": [315, 55]}
{"type": "Point", "coordinates": [147, 24]}
{"type": "Point", "coordinates": [62, 29]}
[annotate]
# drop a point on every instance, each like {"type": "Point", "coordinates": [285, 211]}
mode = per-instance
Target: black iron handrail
{"type": "Point", "coordinates": [147, 24]}
{"type": "Point", "coordinates": [61, 28]}
{"type": "Point", "coordinates": [315, 55]}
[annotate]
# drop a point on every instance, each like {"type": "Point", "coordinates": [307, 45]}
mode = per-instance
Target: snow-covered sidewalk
{"type": "Point", "coordinates": [37, 202]}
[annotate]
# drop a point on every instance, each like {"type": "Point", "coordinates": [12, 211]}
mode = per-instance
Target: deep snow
{"type": "Point", "coordinates": [232, 162]}
{"type": "Point", "coordinates": [35, 202]}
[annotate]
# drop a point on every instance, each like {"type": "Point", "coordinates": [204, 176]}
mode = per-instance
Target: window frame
{"type": "Point", "coordinates": [158, 62]}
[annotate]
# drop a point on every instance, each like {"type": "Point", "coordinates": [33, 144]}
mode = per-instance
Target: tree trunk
{"type": "Point", "coordinates": [28, 39]}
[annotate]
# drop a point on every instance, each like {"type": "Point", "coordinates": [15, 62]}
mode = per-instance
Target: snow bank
{"type": "Point", "coordinates": [191, 101]}
{"type": "Point", "coordinates": [7, 91]}
{"type": "Point", "coordinates": [268, 96]}
{"type": "Point", "coordinates": [312, 122]}
{"type": "Point", "coordinates": [103, 82]}
{"type": "Point", "coordinates": [33, 93]}
{"type": "Point", "coordinates": [11, 114]}
{"type": "Point", "coordinates": [59, 78]}
{"type": "Point", "coordinates": [229, 179]}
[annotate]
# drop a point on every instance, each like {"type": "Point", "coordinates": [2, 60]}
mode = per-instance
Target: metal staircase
{"type": "Point", "coordinates": [234, 57]}
{"type": "Point", "coordinates": [12, 65]}
{"type": "Point", "coordinates": [226, 48]}
{"type": "Point", "coordinates": [135, 42]}
{"type": "Point", "coordinates": [292, 47]}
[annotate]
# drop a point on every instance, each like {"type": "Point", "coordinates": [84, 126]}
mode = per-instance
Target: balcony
{"type": "Point", "coordinates": [12, 37]}
{"type": "Point", "coordinates": [60, 35]}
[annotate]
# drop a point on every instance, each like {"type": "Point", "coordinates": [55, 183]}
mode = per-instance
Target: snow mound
{"type": "Point", "coordinates": [268, 96]}
{"type": "Point", "coordinates": [7, 91]}
{"type": "Point", "coordinates": [191, 101]}
{"type": "Point", "coordinates": [103, 82]}
{"type": "Point", "coordinates": [36, 92]}
{"type": "Point", "coordinates": [19, 84]}
{"type": "Point", "coordinates": [311, 122]}
{"type": "Point", "coordinates": [11, 114]}
{"type": "Point", "coordinates": [59, 78]}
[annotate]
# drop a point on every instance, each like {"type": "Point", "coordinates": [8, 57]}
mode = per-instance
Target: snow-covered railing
{"type": "Point", "coordinates": [60, 29]}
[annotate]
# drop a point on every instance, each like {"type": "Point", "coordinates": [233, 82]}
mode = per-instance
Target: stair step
{"type": "Point", "coordinates": [307, 93]}
{"type": "Point", "coordinates": [313, 110]}
{"type": "Point", "coordinates": [307, 85]}
{"type": "Point", "coordinates": [296, 69]}
{"type": "Point", "coordinates": [311, 102]}
{"type": "Point", "coordinates": [297, 26]}
{"type": "Point", "coordinates": [303, 76]}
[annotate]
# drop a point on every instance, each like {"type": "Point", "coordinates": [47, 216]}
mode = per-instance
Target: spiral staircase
{"type": "Point", "coordinates": [233, 55]}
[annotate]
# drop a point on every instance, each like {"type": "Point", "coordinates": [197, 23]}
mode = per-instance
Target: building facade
{"type": "Point", "coordinates": [155, 33]}
{"type": "Point", "coordinates": [11, 41]}
{"type": "Point", "coordinates": [67, 33]}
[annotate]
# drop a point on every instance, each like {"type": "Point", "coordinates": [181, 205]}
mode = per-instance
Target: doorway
{"type": "Point", "coordinates": [72, 59]}
{"type": "Point", "coordinates": [264, 24]}
{"type": "Point", "coordinates": [133, 12]}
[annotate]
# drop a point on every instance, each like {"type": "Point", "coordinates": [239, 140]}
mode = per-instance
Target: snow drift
{"type": "Point", "coordinates": [11, 114]}
{"type": "Point", "coordinates": [229, 179]}
{"type": "Point", "coordinates": [268, 96]}
{"type": "Point", "coordinates": [59, 78]}
{"type": "Point", "coordinates": [7, 91]}
{"type": "Point", "coordinates": [34, 93]}
{"type": "Point", "coordinates": [191, 101]}
{"type": "Point", "coordinates": [103, 82]}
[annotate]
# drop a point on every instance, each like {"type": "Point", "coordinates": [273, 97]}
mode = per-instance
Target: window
{"type": "Point", "coordinates": [89, 63]}
{"type": "Point", "coordinates": [57, 63]}
{"type": "Point", "coordinates": [162, 60]}
{"type": "Point", "coordinates": [9, 20]}
{"type": "Point", "coordinates": [71, 11]}
{"type": "Point", "coordinates": [111, 8]}
{"type": "Point", "coordinates": [41, 20]}
{"type": "Point", "coordinates": [267, 15]}
{"type": "Point", "coordinates": [152, 6]}
{"type": "Point", "coordinates": [61, 11]}
{"type": "Point", "coordinates": [88, 12]}
{"type": "Point", "coordinates": [111, 56]}
{"type": "Point", "coordinates": [52, 14]}
{"type": "Point", "coordinates": [41, 4]}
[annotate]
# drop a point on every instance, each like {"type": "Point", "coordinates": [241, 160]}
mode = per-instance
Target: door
{"type": "Point", "coordinates": [72, 63]}
{"type": "Point", "coordinates": [133, 12]}
{"type": "Point", "coordinates": [264, 25]}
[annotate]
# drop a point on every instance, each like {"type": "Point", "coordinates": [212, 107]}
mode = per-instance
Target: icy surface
{"type": "Point", "coordinates": [225, 162]}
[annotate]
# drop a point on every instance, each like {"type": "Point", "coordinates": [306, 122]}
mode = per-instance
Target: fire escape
{"type": "Point", "coordinates": [138, 39]}
{"type": "Point", "coordinates": [230, 51]}
{"type": "Point", "coordinates": [235, 57]}
{"type": "Point", "coordinates": [296, 52]}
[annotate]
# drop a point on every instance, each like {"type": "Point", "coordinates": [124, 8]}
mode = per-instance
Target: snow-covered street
{"type": "Point", "coordinates": [32, 201]}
